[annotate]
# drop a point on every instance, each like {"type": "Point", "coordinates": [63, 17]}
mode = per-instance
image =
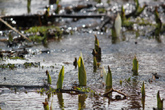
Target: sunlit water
{"type": "Point", "coordinates": [119, 56]}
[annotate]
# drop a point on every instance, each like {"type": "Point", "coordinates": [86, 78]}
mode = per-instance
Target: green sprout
{"type": "Point", "coordinates": [125, 22]}
{"type": "Point", "coordinates": [109, 79]}
{"type": "Point", "coordinates": [60, 78]}
{"type": "Point", "coordinates": [143, 90]}
{"type": "Point", "coordinates": [97, 51]}
{"type": "Point", "coordinates": [138, 9]}
{"type": "Point", "coordinates": [143, 95]}
{"type": "Point", "coordinates": [81, 72]}
{"type": "Point", "coordinates": [135, 66]}
{"type": "Point", "coordinates": [94, 64]}
{"type": "Point", "coordinates": [96, 43]}
{"type": "Point", "coordinates": [121, 82]}
{"type": "Point", "coordinates": [159, 102]}
{"type": "Point", "coordinates": [49, 80]}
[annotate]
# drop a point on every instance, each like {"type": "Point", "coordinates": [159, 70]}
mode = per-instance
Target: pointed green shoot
{"type": "Point", "coordinates": [109, 79]}
{"type": "Point", "coordinates": [97, 50]}
{"type": "Point", "coordinates": [135, 66]}
{"type": "Point", "coordinates": [121, 82]}
{"type": "Point", "coordinates": [143, 95]}
{"type": "Point", "coordinates": [143, 90]}
{"type": "Point", "coordinates": [60, 78]}
{"type": "Point", "coordinates": [49, 80]}
{"type": "Point", "coordinates": [81, 72]}
{"type": "Point", "coordinates": [94, 64]}
{"type": "Point", "coordinates": [159, 102]}
{"type": "Point", "coordinates": [140, 10]}
{"type": "Point", "coordinates": [96, 43]}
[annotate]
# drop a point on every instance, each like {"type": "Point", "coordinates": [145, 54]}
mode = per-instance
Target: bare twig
{"type": "Point", "coordinates": [14, 29]}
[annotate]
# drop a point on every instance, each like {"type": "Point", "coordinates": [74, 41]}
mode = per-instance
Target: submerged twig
{"type": "Point", "coordinates": [14, 29]}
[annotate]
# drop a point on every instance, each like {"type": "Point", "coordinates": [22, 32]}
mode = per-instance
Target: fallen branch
{"type": "Point", "coordinates": [14, 29]}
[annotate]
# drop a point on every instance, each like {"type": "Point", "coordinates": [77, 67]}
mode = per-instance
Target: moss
{"type": "Point", "coordinates": [31, 64]}
{"type": "Point", "coordinates": [9, 65]}
{"type": "Point", "coordinates": [15, 58]}
{"type": "Point", "coordinates": [36, 38]}
{"type": "Point", "coordinates": [42, 33]}
{"type": "Point", "coordinates": [101, 10]}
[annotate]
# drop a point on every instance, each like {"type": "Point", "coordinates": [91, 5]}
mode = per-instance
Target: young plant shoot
{"type": "Point", "coordinates": [159, 102]}
{"type": "Point", "coordinates": [60, 78]}
{"type": "Point", "coordinates": [135, 66]}
{"type": "Point", "coordinates": [94, 64]}
{"type": "Point", "coordinates": [81, 72]}
{"type": "Point", "coordinates": [49, 80]}
{"type": "Point", "coordinates": [109, 79]}
{"type": "Point", "coordinates": [143, 90]}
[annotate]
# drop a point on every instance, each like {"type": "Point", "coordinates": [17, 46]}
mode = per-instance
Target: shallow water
{"type": "Point", "coordinates": [118, 56]}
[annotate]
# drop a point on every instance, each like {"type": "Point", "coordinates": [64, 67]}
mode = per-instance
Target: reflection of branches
{"type": "Point", "coordinates": [70, 91]}
{"type": "Point", "coordinates": [113, 90]}
{"type": "Point", "coordinates": [76, 92]}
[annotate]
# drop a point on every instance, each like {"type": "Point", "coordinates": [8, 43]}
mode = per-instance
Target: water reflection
{"type": "Point", "coordinates": [115, 40]}
{"type": "Point", "coordinates": [60, 100]}
{"type": "Point", "coordinates": [81, 101]}
{"type": "Point", "coordinates": [28, 6]}
{"type": "Point", "coordinates": [134, 97]}
{"type": "Point", "coordinates": [143, 102]}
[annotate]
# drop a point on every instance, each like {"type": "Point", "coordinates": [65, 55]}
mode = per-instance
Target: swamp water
{"type": "Point", "coordinates": [149, 52]}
